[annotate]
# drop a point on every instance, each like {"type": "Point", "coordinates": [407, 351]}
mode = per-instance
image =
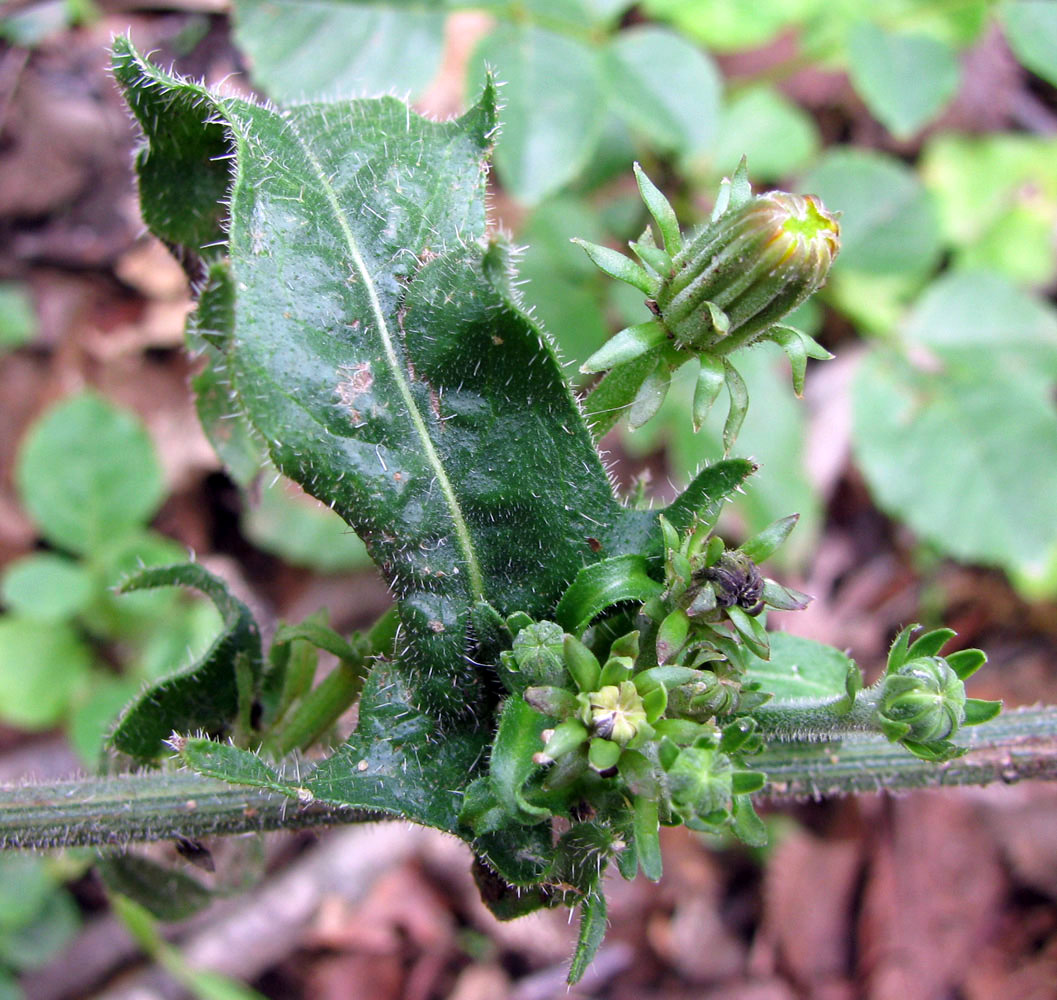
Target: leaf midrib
{"type": "Point", "coordinates": [462, 531]}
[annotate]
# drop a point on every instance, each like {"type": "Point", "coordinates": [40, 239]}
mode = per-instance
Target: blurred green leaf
{"type": "Point", "coordinates": [33, 944]}
{"type": "Point", "coordinates": [1031, 30]}
{"type": "Point", "coordinates": [997, 201]}
{"type": "Point", "coordinates": [981, 320]}
{"type": "Point", "coordinates": [46, 586]}
{"type": "Point", "coordinates": [800, 668]}
{"type": "Point", "coordinates": [87, 471]}
{"type": "Point", "coordinates": [775, 135]}
{"type": "Point", "coordinates": [302, 531]}
{"type": "Point", "coordinates": [664, 87]}
{"type": "Point", "coordinates": [552, 101]}
{"type": "Point", "coordinates": [304, 49]}
{"type": "Point", "coordinates": [730, 24]}
{"type": "Point", "coordinates": [904, 79]}
{"type": "Point", "coordinates": [92, 718]}
{"type": "Point", "coordinates": [889, 224]}
{"type": "Point", "coordinates": [44, 666]}
{"type": "Point", "coordinates": [991, 436]}
{"type": "Point", "coordinates": [24, 889]}
{"type": "Point", "coordinates": [166, 893]}
{"type": "Point", "coordinates": [18, 321]}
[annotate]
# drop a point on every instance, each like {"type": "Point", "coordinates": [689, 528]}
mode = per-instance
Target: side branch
{"type": "Point", "coordinates": [151, 806]}
{"type": "Point", "coordinates": [1019, 744]}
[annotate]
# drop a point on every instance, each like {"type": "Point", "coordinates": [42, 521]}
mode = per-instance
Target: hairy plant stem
{"type": "Point", "coordinates": [1018, 745]}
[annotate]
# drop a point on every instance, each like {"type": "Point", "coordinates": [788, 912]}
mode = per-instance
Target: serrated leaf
{"type": "Point", "coordinates": [207, 694]}
{"type": "Point", "coordinates": [300, 51]}
{"type": "Point", "coordinates": [400, 384]}
{"type": "Point", "coordinates": [994, 435]}
{"type": "Point", "coordinates": [400, 760]}
{"type": "Point", "coordinates": [229, 763]}
{"type": "Point", "coordinates": [905, 79]}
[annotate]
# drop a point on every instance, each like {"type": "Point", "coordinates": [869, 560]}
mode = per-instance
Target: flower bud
{"type": "Point", "coordinates": [742, 273]}
{"type": "Point", "coordinates": [734, 580]}
{"type": "Point", "coordinates": [616, 712]}
{"type": "Point", "coordinates": [923, 701]}
{"type": "Point", "coordinates": [701, 781]}
{"type": "Point", "coordinates": [538, 651]}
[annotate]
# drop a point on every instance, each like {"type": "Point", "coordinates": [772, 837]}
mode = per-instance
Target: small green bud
{"type": "Point", "coordinates": [616, 712]}
{"type": "Point", "coordinates": [922, 701]}
{"type": "Point", "coordinates": [701, 781]}
{"type": "Point", "coordinates": [753, 266]}
{"type": "Point", "coordinates": [704, 699]}
{"type": "Point", "coordinates": [538, 651]}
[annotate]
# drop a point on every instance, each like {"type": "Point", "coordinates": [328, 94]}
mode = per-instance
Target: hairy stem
{"type": "Point", "coordinates": [1018, 745]}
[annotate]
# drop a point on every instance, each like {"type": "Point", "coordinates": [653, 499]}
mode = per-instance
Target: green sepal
{"type": "Point", "coordinates": [747, 782]}
{"type": "Point", "coordinates": [782, 598]}
{"type": "Point", "coordinates": [655, 701]}
{"type": "Point", "coordinates": [966, 662]}
{"type": "Point", "coordinates": [555, 702]}
{"type": "Point", "coordinates": [720, 320]}
{"type": "Point", "coordinates": [650, 396]}
{"type": "Point", "coordinates": [762, 546]}
{"type": "Point", "coordinates": [615, 670]}
{"type": "Point", "coordinates": [647, 842]}
{"type": "Point", "coordinates": [751, 630]}
{"type": "Point", "coordinates": [600, 586]}
{"type": "Point", "coordinates": [603, 754]}
{"type": "Point", "coordinates": [736, 734]}
{"type": "Point", "coordinates": [516, 742]}
{"type": "Point", "coordinates": [978, 710]}
{"type": "Point", "coordinates": [592, 931]}
{"type": "Point", "coordinates": [930, 643]}
{"type": "Point", "coordinates": [666, 676]}
{"type": "Point", "coordinates": [565, 738]}
{"type": "Point", "coordinates": [630, 343]}
{"type": "Point", "coordinates": [710, 380]}
{"type": "Point", "coordinates": [681, 732]}
{"type": "Point", "coordinates": [746, 824]}
{"type": "Point", "coordinates": [582, 664]}
{"type": "Point", "coordinates": [671, 636]}
{"type": "Point", "coordinates": [616, 265]}
{"type": "Point", "coordinates": [739, 405]}
{"type": "Point", "coordinates": [938, 751]}
{"type": "Point", "coordinates": [638, 774]}
{"type": "Point", "coordinates": [897, 653]}
{"type": "Point", "coordinates": [734, 191]}
{"type": "Point", "coordinates": [661, 210]}
{"type": "Point", "coordinates": [653, 257]}
{"type": "Point", "coordinates": [626, 645]}
{"type": "Point", "coordinates": [609, 399]}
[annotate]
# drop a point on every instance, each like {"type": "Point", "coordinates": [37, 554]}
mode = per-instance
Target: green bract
{"type": "Point", "coordinates": [727, 286]}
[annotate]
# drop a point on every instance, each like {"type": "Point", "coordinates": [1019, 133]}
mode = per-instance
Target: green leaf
{"type": "Point", "coordinates": [302, 51]}
{"type": "Point", "coordinates": [401, 385]}
{"type": "Point", "coordinates": [87, 471]}
{"type": "Point", "coordinates": [1031, 29]}
{"type": "Point", "coordinates": [34, 944]}
{"type": "Point", "coordinates": [24, 889]}
{"type": "Point", "coordinates": [762, 546]}
{"type": "Point", "coordinates": [283, 520]}
{"type": "Point", "coordinates": [401, 761]}
{"type": "Point", "coordinates": [46, 587]}
{"type": "Point", "coordinates": [904, 79]}
{"type": "Point", "coordinates": [997, 201]}
{"type": "Point", "coordinates": [728, 24]}
{"type": "Point", "coordinates": [592, 931]}
{"type": "Point", "coordinates": [800, 668]}
{"type": "Point", "coordinates": [44, 667]}
{"type": "Point", "coordinates": [18, 321]}
{"type": "Point", "coordinates": [600, 586]}
{"type": "Point", "coordinates": [980, 319]}
{"type": "Point", "coordinates": [888, 223]}
{"type": "Point", "coordinates": [166, 893]}
{"type": "Point", "coordinates": [775, 135]}
{"type": "Point", "coordinates": [209, 693]}
{"type": "Point", "coordinates": [993, 435]}
{"type": "Point", "coordinates": [664, 87]}
{"type": "Point", "coordinates": [552, 96]}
